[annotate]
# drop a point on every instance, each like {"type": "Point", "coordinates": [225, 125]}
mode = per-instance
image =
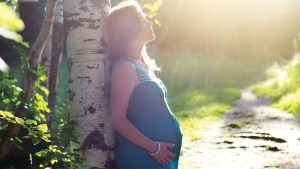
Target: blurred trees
{"type": "Point", "coordinates": [229, 27]}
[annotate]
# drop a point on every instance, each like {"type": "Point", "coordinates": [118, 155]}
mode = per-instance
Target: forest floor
{"type": "Point", "coordinates": [250, 136]}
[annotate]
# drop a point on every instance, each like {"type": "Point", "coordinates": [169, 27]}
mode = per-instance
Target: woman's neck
{"type": "Point", "coordinates": [135, 52]}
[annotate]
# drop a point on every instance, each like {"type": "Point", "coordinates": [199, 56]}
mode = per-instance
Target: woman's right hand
{"type": "Point", "coordinates": [164, 157]}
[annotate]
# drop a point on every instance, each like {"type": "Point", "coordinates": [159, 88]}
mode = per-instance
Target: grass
{"type": "Point", "coordinates": [196, 110]}
{"type": "Point", "coordinates": [283, 86]}
{"type": "Point", "coordinates": [184, 69]}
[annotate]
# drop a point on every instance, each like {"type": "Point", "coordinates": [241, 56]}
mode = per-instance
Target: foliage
{"type": "Point", "coordinates": [13, 4]}
{"type": "Point", "coordinates": [283, 85]}
{"type": "Point", "coordinates": [36, 128]}
{"type": "Point", "coordinates": [150, 10]}
{"type": "Point", "coordinates": [34, 143]}
{"type": "Point", "coordinates": [10, 23]}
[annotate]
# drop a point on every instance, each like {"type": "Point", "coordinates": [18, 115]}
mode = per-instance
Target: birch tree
{"type": "Point", "coordinates": [56, 54]}
{"type": "Point", "coordinates": [88, 68]}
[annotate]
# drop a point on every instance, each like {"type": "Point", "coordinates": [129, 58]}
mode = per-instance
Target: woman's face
{"type": "Point", "coordinates": [146, 35]}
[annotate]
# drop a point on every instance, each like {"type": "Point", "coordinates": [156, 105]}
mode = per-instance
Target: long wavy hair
{"type": "Point", "coordinates": [123, 26]}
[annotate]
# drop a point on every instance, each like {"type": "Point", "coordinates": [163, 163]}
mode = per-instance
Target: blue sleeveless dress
{"type": "Point", "coordinates": [149, 112]}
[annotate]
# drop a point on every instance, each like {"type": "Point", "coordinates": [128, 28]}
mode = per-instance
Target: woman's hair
{"type": "Point", "coordinates": [123, 26]}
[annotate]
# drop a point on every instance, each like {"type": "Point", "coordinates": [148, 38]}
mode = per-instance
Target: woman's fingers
{"type": "Point", "coordinates": [165, 148]}
{"type": "Point", "coordinates": [170, 145]}
{"type": "Point", "coordinates": [170, 154]}
{"type": "Point", "coordinates": [164, 162]}
{"type": "Point", "coordinates": [168, 160]}
{"type": "Point", "coordinates": [165, 155]}
{"type": "Point", "coordinates": [161, 161]}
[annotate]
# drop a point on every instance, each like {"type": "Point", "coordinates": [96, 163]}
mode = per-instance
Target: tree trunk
{"type": "Point", "coordinates": [38, 47]}
{"type": "Point", "coordinates": [45, 63]}
{"type": "Point", "coordinates": [88, 68]}
{"type": "Point", "coordinates": [57, 46]}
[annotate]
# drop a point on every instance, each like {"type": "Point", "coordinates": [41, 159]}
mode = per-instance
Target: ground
{"type": "Point", "coordinates": [250, 136]}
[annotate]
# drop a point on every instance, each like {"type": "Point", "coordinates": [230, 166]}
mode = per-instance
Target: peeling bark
{"type": "Point", "coordinates": [88, 67]}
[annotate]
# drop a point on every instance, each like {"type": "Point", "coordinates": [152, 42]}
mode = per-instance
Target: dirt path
{"type": "Point", "coordinates": [251, 136]}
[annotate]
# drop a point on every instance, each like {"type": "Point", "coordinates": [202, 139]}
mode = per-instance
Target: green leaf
{"type": "Point", "coordinates": [6, 101]}
{"type": "Point", "coordinates": [19, 120]}
{"type": "Point", "coordinates": [53, 147]}
{"type": "Point", "coordinates": [45, 90]}
{"type": "Point", "coordinates": [19, 140]}
{"type": "Point", "coordinates": [43, 78]}
{"type": "Point", "coordinates": [2, 113]}
{"type": "Point", "coordinates": [29, 122]}
{"type": "Point", "coordinates": [9, 19]}
{"type": "Point", "coordinates": [36, 140]}
{"type": "Point", "coordinates": [42, 127]}
{"type": "Point", "coordinates": [52, 161]}
{"type": "Point", "coordinates": [11, 121]}
{"type": "Point", "coordinates": [45, 138]}
{"type": "Point", "coordinates": [65, 160]}
{"type": "Point", "coordinates": [40, 153]}
{"type": "Point", "coordinates": [8, 114]}
{"type": "Point", "coordinates": [10, 23]}
{"type": "Point", "coordinates": [38, 96]}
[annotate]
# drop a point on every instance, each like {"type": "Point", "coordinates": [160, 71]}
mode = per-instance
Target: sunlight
{"type": "Point", "coordinates": [233, 26]}
{"type": "Point", "coordinates": [3, 66]}
{"type": "Point", "coordinates": [282, 78]}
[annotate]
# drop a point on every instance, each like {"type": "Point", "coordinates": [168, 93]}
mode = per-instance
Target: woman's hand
{"type": "Point", "coordinates": [164, 157]}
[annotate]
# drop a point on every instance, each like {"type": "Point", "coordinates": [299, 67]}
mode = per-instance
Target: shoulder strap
{"type": "Point", "coordinates": [122, 60]}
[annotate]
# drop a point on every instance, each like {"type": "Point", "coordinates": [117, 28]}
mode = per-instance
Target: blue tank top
{"type": "Point", "coordinates": [149, 112]}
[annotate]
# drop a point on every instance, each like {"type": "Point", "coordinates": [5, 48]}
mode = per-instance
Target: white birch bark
{"type": "Point", "coordinates": [88, 75]}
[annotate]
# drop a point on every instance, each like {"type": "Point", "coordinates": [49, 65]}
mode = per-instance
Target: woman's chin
{"type": "Point", "coordinates": [152, 38]}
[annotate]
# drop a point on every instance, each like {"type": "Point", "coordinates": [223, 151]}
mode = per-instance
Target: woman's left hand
{"type": "Point", "coordinates": [164, 157]}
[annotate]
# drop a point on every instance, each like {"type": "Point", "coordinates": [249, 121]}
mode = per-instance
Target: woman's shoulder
{"type": "Point", "coordinates": [122, 61]}
{"type": "Point", "coordinates": [123, 66]}
{"type": "Point", "coordinates": [123, 69]}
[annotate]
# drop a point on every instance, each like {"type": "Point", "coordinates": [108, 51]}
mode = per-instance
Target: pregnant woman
{"type": "Point", "coordinates": [148, 133]}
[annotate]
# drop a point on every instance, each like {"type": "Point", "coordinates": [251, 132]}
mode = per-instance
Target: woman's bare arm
{"type": "Point", "coordinates": [124, 79]}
